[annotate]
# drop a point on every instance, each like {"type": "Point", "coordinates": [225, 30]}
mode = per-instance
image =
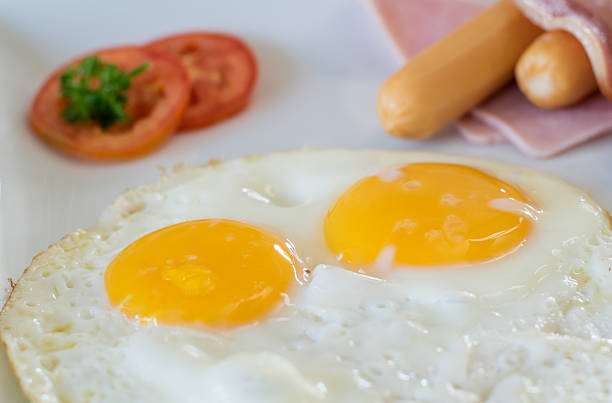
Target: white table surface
{"type": "Point", "coordinates": [321, 63]}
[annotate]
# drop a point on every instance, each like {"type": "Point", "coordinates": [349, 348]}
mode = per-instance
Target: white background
{"type": "Point", "coordinates": [321, 63]}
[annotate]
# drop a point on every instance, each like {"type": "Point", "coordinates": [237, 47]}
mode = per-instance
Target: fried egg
{"type": "Point", "coordinates": [325, 276]}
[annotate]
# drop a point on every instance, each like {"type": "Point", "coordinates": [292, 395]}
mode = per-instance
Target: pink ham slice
{"type": "Point", "coordinates": [543, 133]}
{"type": "Point", "coordinates": [507, 115]}
{"type": "Point", "coordinates": [477, 131]}
{"type": "Point", "coordinates": [411, 25]}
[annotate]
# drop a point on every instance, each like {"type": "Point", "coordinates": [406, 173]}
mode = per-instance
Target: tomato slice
{"type": "Point", "coordinates": [157, 99]}
{"type": "Point", "coordinates": [222, 70]}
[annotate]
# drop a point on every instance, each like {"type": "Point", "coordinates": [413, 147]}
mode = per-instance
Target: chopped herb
{"type": "Point", "coordinates": [103, 100]}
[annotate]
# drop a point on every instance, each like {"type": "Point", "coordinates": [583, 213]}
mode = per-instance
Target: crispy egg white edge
{"type": "Point", "coordinates": [130, 202]}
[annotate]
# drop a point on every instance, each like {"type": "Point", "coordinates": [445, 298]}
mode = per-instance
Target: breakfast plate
{"type": "Point", "coordinates": [321, 64]}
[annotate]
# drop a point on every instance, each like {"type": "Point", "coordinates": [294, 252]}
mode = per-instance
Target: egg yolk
{"type": "Point", "coordinates": [425, 214]}
{"type": "Point", "coordinates": [213, 272]}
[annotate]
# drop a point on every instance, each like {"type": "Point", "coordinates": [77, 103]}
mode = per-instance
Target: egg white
{"type": "Point", "coordinates": [533, 325]}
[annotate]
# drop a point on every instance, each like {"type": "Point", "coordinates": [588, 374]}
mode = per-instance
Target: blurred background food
{"type": "Point", "coordinates": [448, 81]}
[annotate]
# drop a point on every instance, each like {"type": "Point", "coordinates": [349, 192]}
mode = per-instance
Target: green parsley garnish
{"type": "Point", "coordinates": [104, 102]}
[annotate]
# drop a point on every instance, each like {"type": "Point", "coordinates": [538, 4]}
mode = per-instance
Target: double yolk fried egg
{"type": "Point", "coordinates": [341, 276]}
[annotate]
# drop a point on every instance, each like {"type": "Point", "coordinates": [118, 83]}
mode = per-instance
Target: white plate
{"type": "Point", "coordinates": [321, 64]}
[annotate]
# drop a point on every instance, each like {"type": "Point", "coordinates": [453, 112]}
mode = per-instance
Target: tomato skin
{"type": "Point", "coordinates": [222, 70]}
{"type": "Point", "coordinates": [157, 100]}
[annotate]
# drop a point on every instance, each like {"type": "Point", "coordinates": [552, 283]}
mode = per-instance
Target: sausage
{"type": "Point", "coordinates": [555, 71]}
{"type": "Point", "coordinates": [455, 74]}
{"type": "Point", "coordinates": [589, 21]}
